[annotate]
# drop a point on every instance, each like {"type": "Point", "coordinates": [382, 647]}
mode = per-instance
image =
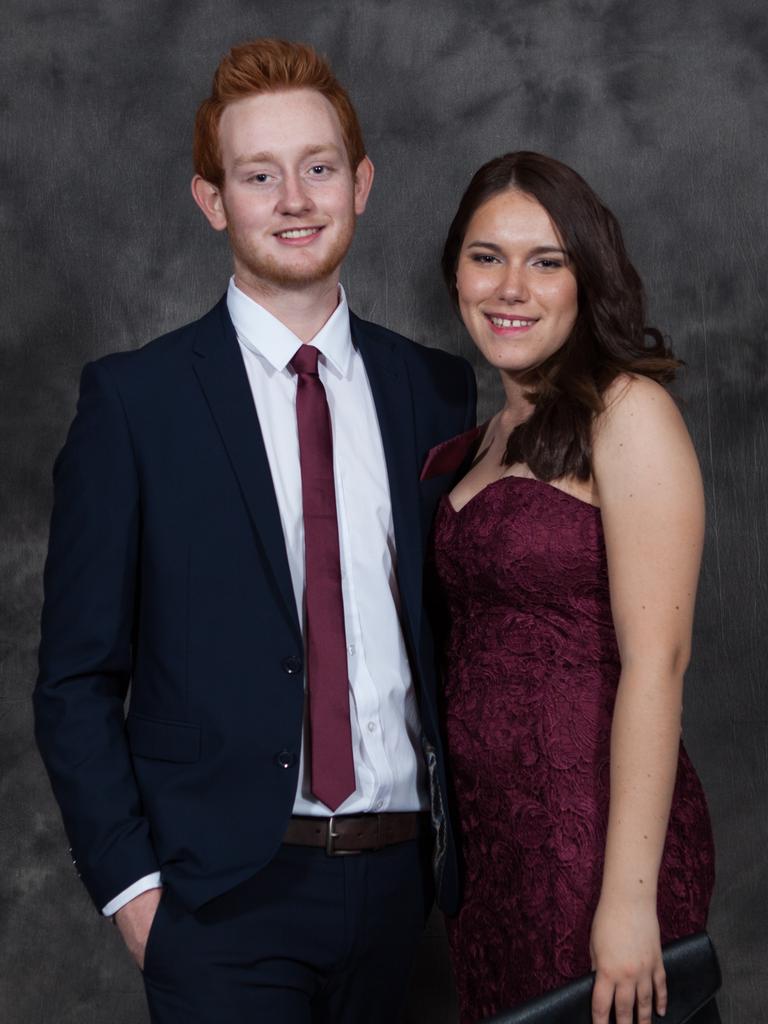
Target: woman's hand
{"type": "Point", "coordinates": [626, 954]}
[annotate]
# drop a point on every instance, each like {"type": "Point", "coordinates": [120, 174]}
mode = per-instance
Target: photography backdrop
{"type": "Point", "coordinates": [660, 105]}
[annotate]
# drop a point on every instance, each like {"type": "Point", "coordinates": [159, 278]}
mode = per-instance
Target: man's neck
{"type": "Point", "coordinates": [304, 310]}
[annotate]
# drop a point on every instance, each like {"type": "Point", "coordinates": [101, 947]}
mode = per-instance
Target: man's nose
{"type": "Point", "coordinates": [294, 197]}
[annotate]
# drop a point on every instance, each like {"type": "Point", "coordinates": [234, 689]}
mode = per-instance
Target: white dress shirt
{"type": "Point", "coordinates": [389, 769]}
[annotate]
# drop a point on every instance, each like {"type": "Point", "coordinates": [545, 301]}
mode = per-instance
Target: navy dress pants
{"type": "Point", "coordinates": [310, 939]}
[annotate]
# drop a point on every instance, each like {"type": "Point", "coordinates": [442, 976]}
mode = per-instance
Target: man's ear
{"type": "Point", "coordinates": [363, 182]}
{"type": "Point", "coordinates": [208, 198]}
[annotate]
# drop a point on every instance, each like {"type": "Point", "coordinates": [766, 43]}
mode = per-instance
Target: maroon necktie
{"type": "Point", "coordinates": [333, 769]}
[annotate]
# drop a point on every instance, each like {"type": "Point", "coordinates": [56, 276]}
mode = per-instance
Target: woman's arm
{"type": "Point", "coordinates": [652, 507]}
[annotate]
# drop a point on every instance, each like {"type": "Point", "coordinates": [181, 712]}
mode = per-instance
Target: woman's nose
{"type": "Point", "coordinates": [513, 287]}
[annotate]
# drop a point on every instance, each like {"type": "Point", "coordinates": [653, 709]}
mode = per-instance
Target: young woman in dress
{"type": "Point", "coordinates": [568, 556]}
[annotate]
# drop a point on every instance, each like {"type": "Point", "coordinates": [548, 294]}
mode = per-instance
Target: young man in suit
{"type": "Point", "coordinates": [238, 536]}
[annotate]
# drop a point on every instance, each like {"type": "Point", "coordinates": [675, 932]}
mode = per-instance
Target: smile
{"type": "Point", "coordinates": [505, 323]}
{"type": "Point", "coordinates": [293, 233]}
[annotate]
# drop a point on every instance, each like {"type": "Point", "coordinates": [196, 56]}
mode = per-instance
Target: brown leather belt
{"type": "Point", "coordinates": [354, 833]}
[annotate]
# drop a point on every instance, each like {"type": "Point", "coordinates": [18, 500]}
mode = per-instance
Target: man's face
{"type": "Point", "coordinates": [289, 199]}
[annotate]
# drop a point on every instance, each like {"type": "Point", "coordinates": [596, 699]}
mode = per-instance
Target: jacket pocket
{"type": "Point", "coordinates": [161, 740]}
{"type": "Point", "coordinates": [149, 948]}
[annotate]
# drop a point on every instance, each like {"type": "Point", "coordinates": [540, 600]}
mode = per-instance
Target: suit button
{"type": "Point", "coordinates": [285, 759]}
{"type": "Point", "coordinates": [292, 665]}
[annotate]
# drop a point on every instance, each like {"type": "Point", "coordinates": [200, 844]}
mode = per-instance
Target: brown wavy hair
{"type": "Point", "coordinates": [609, 336]}
{"type": "Point", "coordinates": [268, 65]}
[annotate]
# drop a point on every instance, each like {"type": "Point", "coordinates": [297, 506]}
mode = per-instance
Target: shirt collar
{"type": "Point", "coordinates": [262, 333]}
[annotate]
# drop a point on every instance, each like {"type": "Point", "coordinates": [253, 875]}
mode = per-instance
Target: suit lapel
{"type": "Point", "coordinates": [220, 369]}
{"type": "Point", "coordinates": [391, 389]}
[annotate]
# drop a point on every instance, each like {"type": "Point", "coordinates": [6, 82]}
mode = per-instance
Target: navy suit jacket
{"type": "Point", "coordinates": [167, 577]}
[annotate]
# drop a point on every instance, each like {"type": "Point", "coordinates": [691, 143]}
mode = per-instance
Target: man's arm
{"type": "Point", "coordinates": [145, 884]}
{"type": "Point", "coordinates": [85, 651]}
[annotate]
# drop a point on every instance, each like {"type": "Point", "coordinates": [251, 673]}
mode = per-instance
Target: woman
{"type": "Point", "coordinates": [568, 556]}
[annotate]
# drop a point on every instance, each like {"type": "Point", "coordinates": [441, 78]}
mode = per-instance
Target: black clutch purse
{"type": "Point", "coordinates": [693, 979]}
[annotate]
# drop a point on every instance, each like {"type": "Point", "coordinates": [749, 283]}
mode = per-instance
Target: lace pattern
{"type": "Point", "coordinates": [531, 671]}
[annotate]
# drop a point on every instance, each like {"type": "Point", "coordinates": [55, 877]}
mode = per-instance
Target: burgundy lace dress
{"type": "Point", "coordinates": [531, 673]}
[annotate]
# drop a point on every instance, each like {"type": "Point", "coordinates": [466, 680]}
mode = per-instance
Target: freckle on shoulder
{"type": "Point", "coordinates": [636, 385]}
{"type": "Point", "coordinates": [633, 396]}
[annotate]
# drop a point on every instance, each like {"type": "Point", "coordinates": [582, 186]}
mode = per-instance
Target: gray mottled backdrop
{"type": "Point", "coordinates": [662, 106]}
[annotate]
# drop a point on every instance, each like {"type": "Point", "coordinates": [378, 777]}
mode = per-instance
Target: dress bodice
{"type": "Point", "coordinates": [531, 670]}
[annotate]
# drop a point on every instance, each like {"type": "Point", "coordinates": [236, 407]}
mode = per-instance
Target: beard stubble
{"type": "Point", "coordinates": [267, 271]}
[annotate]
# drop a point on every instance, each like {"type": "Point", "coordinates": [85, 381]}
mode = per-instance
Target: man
{"type": "Point", "coordinates": [238, 520]}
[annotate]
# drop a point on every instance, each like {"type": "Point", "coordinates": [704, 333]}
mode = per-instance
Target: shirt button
{"type": "Point", "coordinates": [285, 759]}
{"type": "Point", "coordinates": [292, 665]}
{"type": "Point", "coordinates": [351, 648]}
{"type": "Point", "coordinates": [371, 727]}
{"type": "Point", "coordinates": [378, 805]}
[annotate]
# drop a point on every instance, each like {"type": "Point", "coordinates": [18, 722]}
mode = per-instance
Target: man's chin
{"type": "Point", "coordinates": [301, 274]}
{"type": "Point", "coordinates": [291, 277]}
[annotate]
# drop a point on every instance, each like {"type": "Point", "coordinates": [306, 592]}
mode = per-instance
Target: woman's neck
{"type": "Point", "coordinates": [517, 407]}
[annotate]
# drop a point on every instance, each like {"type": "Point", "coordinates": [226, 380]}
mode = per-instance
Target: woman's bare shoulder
{"type": "Point", "coordinates": [632, 400]}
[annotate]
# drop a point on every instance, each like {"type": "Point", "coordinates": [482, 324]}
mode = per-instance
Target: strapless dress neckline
{"type": "Point", "coordinates": [446, 500]}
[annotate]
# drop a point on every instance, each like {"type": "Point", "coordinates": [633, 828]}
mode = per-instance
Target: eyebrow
{"type": "Point", "coordinates": [265, 157]}
{"type": "Point", "coordinates": [538, 250]}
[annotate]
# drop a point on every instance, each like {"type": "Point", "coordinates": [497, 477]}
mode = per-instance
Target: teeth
{"type": "Point", "coordinates": [500, 321]}
{"type": "Point", "coordinates": [297, 233]}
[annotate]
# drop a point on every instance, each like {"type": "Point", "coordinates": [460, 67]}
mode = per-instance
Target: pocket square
{"type": "Point", "coordinates": [448, 456]}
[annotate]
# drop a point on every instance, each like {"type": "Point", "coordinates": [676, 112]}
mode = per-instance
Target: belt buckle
{"type": "Point", "coordinates": [330, 836]}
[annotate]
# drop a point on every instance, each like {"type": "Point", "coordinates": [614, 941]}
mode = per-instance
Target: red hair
{"type": "Point", "coordinates": [268, 65]}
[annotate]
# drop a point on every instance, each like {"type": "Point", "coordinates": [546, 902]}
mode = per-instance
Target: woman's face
{"type": "Point", "coordinates": [516, 287]}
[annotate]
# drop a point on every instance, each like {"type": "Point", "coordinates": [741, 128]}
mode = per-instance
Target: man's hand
{"type": "Point", "coordinates": [134, 921]}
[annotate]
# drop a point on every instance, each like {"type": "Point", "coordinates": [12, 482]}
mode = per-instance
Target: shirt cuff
{"type": "Point", "coordinates": [144, 884]}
